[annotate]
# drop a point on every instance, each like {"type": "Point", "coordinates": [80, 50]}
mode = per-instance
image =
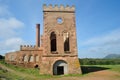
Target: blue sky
{"type": "Point", "coordinates": [97, 24]}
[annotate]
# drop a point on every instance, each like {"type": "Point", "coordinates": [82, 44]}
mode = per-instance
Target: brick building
{"type": "Point", "coordinates": [57, 52]}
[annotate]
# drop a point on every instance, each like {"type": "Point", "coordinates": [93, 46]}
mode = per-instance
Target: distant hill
{"type": "Point", "coordinates": [112, 56]}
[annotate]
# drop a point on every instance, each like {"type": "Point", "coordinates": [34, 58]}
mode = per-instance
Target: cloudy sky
{"type": "Point", "coordinates": [97, 22]}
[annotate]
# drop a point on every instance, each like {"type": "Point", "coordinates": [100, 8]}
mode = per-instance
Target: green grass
{"type": "Point", "coordinates": [111, 67]}
{"type": "Point", "coordinates": [102, 67]}
{"type": "Point", "coordinates": [9, 76]}
{"type": "Point", "coordinates": [21, 69]}
{"type": "Point", "coordinates": [35, 72]}
{"type": "Point", "coordinates": [29, 71]}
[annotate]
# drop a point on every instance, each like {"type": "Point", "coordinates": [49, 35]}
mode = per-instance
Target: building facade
{"type": "Point", "coordinates": [57, 53]}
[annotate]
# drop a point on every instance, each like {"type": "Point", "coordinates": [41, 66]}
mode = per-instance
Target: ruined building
{"type": "Point", "coordinates": [57, 53]}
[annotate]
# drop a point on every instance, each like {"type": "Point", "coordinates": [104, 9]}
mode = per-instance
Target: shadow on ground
{"type": "Point", "coordinates": [89, 69]}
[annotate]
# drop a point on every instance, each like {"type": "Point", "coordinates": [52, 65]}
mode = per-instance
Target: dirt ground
{"type": "Point", "coordinates": [99, 75]}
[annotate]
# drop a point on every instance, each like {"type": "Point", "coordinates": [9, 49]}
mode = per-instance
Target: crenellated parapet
{"type": "Point", "coordinates": [28, 47]}
{"type": "Point", "coordinates": [56, 8]}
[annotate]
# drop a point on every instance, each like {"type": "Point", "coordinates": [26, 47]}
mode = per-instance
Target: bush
{"type": "Point", "coordinates": [89, 61]}
{"type": "Point", "coordinates": [2, 57]}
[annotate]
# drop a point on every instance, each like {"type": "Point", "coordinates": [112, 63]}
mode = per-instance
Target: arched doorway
{"type": "Point", "coordinates": [60, 67]}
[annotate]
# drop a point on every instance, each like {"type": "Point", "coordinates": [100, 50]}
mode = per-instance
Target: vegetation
{"type": "Point", "coordinates": [88, 66]}
{"type": "Point", "coordinates": [93, 68]}
{"type": "Point", "coordinates": [1, 57]}
{"type": "Point", "coordinates": [111, 67]}
{"type": "Point", "coordinates": [29, 73]}
{"type": "Point", "coordinates": [5, 75]}
{"type": "Point", "coordinates": [89, 61]}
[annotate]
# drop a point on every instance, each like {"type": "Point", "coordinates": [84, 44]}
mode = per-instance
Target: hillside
{"type": "Point", "coordinates": [112, 56]}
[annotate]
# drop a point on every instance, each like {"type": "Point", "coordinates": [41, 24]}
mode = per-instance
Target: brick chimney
{"type": "Point", "coordinates": [38, 35]}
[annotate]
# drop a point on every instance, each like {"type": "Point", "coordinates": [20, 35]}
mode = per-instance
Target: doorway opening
{"type": "Point", "coordinates": [60, 70]}
{"type": "Point", "coordinates": [60, 67]}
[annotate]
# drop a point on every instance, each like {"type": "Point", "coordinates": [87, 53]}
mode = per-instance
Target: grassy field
{"type": "Point", "coordinates": [93, 68]}
{"type": "Point", "coordinates": [18, 72]}
{"type": "Point", "coordinates": [11, 72]}
{"type": "Point", "coordinates": [111, 67]}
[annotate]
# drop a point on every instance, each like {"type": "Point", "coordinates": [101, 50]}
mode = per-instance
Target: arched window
{"type": "Point", "coordinates": [25, 58]}
{"type": "Point", "coordinates": [36, 58]}
{"type": "Point", "coordinates": [66, 41]}
{"type": "Point", "coordinates": [31, 58]}
{"type": "Point", "coordinates": [53, 41]}
{"type": "Point", "coordinates": [12, 58]}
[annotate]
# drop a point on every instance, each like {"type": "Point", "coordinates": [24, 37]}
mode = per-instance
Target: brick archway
{"type": "Point", "coordinates": [60, 67]}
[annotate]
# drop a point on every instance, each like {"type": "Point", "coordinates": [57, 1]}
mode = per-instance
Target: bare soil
{"type": "Point", "coordinates": [99, 75]}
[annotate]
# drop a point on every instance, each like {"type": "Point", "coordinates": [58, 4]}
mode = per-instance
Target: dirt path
{"type": "Point", "coordinates": [99, 75]}
{"type": "Point", "coordinates": [102, 75]}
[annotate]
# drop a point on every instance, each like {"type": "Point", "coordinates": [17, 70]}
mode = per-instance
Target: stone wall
{"type": "Point", "coordinates": [48, 64]}
{"type": "Point", "coordinates": [25, 57]}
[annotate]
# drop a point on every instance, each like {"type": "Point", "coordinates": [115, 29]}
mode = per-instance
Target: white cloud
{"type": "Point", "coordinates": [11, 44]}
{"type": "Point", "coordinates": [110, 38]}
{"type": "Point", "coordinates": [10, 28]}
{"type": "Point", "coordinates": [13, 41]}
{"type": "Point", "coordinates": [11, 23]}
{"type": "Point", "coordinates": [103, 45]}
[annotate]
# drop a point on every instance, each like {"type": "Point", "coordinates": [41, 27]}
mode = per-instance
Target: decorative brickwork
{"type": "Point", "coordinates": [57, 8]}
{"type": "Point", "coordinates": [57, 53]}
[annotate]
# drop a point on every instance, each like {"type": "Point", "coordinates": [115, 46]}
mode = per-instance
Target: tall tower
{"type": "Point", "coordinates": [59, 41]}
